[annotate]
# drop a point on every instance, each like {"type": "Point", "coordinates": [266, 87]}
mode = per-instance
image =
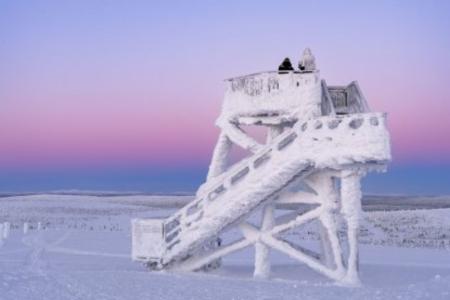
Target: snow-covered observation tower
{"type": "Point", "coordinates": [321, 140]}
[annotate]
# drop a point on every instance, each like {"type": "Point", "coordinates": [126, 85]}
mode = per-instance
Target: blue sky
{"type": "Point", "coordinates": [124, 94]}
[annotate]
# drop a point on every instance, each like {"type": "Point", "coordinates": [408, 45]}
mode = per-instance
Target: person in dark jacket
{"type": "Point", "coordinates": [286, 66]}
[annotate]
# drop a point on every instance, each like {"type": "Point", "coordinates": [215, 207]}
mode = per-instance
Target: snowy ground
{"type": "Point", "coordinates": [83, 252]}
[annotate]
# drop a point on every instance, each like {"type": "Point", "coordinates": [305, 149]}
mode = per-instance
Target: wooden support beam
{"type": "Point", "coordinates": [196, 262]}
{"type": "Point", "coordinates": [301, 219]}
{"type": "Point", "coordinates": [311, 262]}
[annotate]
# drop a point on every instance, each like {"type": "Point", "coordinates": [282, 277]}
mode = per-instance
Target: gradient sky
{"type": "Point", "coordinates": [122, 95]}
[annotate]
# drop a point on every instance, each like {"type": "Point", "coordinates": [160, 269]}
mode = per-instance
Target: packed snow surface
{"type": "Point", "coordinates": [78, 247]}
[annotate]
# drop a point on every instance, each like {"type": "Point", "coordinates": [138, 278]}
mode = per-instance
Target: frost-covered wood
{"type": "Point", "coordinates": [348, 99]}
{"type": "Point", "coordinates": [318, 136]}
{"type": "Point", "coordinates": [351, 210]}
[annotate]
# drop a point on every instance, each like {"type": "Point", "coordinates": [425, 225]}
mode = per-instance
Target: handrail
{"type": "Point", "coordinates": [227, 178]}
{"type": "Point", "coordinates": [328, 101]}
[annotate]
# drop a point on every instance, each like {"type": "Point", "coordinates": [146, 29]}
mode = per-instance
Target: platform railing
{"type": "Point", "coordinates": [267, 82]}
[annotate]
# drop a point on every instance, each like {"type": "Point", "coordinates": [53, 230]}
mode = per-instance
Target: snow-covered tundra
{"type": "Point", "coordinates": [82, 251]}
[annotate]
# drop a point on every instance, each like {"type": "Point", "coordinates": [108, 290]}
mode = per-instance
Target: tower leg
{"type": "Point", "coordinates": [335, 254]}
{"type": "Point", "coordinates": [351, 210]}
{"type": "Point", "coordinates": [219, 160]}
{"type": "Point", "coordinates": [324, 184]}
{"type": "Point", "coordinates": [262, 251]}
